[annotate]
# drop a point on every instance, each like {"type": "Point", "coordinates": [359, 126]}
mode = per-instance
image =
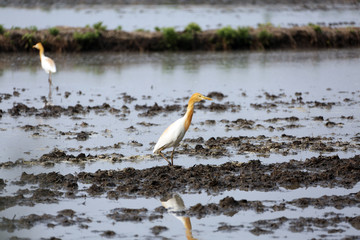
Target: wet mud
{"type": "Point", "coordinates": [161, 181]}
{"type": "Point", "coordinates": [329, 171]}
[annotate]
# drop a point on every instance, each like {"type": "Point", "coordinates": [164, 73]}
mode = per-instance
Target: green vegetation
{"type": "Point", "coordinates": [141, 30]}
{"type": "Point", "coordinates": [170, 37]}
{"type": "Point", "coordinates": [32, 28]}
{"type": "Point", "coordinates": [87, 39]}
{"type": "Point", "coordinates": [265, 38]}
{"type": "Point", "coordinates": [2, 29]}
{"type": "Point", "coordinates": [54, 31]}
{"type": "Point", "coordinates": [29, 40]}
{"type": "Point", "coordinates": [119, 28]}
{"type": "Point", "coordinates": [184, 40]}
{"type": "Point", "coordinates": [187, 39]}
{"type": "Point", "coordinates": [316, 28]}
{"type": "Point", "coordinates": [265, 25]}
{"type": "Point", "coordinates": [99, 27]}
{"type": "Point", "coordinates": [192, 28]}
{"type": "Point", "coordinates": [228, 34]}
{"type": "Point", "coordinates": [232, 38]}
{"type": "Point", "coordinates": [244, 37]}
{"type": "Point", "coordinates": [15, 28]}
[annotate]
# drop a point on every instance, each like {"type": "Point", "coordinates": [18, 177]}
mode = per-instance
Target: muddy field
{"type": "Point", "coordinates": [272, 158]}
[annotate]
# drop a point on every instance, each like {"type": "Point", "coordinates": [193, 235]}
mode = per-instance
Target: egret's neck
{"type": "Point", "coordinates": [188, 115]}
{"type": "Point", "coordinates": [41, 52]}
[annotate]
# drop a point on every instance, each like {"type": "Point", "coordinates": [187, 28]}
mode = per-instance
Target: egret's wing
{"type": "Point", "coordinates": [48, 65]}
{"type": "Point", "coordinates": [171, 136]}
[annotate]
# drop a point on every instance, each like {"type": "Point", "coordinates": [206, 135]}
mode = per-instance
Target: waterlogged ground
{"type": "Point", "coordinates": [274, 155]}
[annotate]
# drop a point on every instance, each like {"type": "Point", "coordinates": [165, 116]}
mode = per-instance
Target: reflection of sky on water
{"type": "Point", "coordinates": [148, 17]}
{"type": "Point", "coordinates": [103, 77]}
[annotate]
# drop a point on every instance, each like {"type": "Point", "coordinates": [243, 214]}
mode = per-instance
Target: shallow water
{"type": "Point", "coordinates": [133, 17]}
{"type": "Point", "coordinates": [169, 78]}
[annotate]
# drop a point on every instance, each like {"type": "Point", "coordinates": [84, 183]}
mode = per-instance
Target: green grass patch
{"type": "Point", "coordinates": [265, 38]}
{"type": "Point", "coordinates": [32, 28]}
{"type": "Point", "coordinates": [193, 28]}
{"type": "Point", "coordinates": [232, 38]}
{"type": "Point", "coordinates": [265, 25]}
{"type": "Point", "coordinates": [119, 28]}
{"type": "Point", "coordinates": [316, 27]}
{"type": "Point", "coordinates": [29, 40]}
{"type": "Point", "coordinates": [99, 26]}
{"type": "Point", "coordinates": [87, 39]}
{"type": "Point", "coordinates": [170, 37]}
{"type": "Point", "coordinates": [141, 30]}
{"type": "Point", "coordinates": [244, 38]}
{"type": "Point", "coordinates": [2, 29]}
{"type": "Point", "coordinates": [54, 31]}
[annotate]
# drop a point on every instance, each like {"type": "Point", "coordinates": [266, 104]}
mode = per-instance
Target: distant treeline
{"type": "Point", "coordinates": [98, 38]}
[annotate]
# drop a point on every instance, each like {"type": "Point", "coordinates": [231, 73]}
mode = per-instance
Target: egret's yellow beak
{"type": "Point", "coordinates": [34, 46]}
{"type": "Point", "coordinates": [206, 98]}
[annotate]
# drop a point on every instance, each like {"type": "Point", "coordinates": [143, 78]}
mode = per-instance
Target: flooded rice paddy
{"type": "Point", "coordinates": [147, 17]}
{"type": "Point", "coordinates": [274, 155]}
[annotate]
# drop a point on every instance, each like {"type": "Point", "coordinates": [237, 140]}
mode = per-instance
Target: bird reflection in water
{"type": "Point", "coordinates": [174, 204]}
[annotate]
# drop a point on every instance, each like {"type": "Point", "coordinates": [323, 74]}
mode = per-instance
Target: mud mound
{"type": "Point", "coordinates": [157, 181]}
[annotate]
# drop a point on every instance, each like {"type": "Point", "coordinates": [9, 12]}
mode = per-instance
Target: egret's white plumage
{"type": "Point", "coordinates": [46, 63]}
{"type": "Point", "coordinates": [172, 136]}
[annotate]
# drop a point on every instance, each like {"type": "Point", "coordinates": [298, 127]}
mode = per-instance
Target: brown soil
{"type": "Point", "coordinates": [112, 40]}
{"type": "Point", "coordinates": [161, 181]}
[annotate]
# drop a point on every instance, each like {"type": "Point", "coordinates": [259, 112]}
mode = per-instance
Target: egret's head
{"type": "Point", "coordinates": [197, 97]}
{"type": "Point", "coordinates": [38, 46]}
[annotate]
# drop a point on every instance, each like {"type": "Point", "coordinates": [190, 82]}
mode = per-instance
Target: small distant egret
{"type": "Point", "coordinates": [46, 63]}
{"type": "Point", "coordinates": [172, 136]}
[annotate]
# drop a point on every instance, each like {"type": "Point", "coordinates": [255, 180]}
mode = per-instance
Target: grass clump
{"type": "Point", "coordinates": [192, 28]}
{"type": "Point", "coordinates": [87, 39]}
{"type": "Point", "coordinates": [28, 39]}
{"type": "Point", "coordinates": [32, 28]}
{"type": "Point", "coordinates": [235, 38]}
{"type": "Point", "coordinates": [119, 28]}
{"type": "Point", "coordinates": [141, 30]}
{"type": "Point", "coordinates": [265, 25]}
{"type": "Point", "coordinates": [265, 38]}
{"type": "Point", "coordinates": [316, 27]}
{"type": "Point", "coordinates": [187, 39]}
{"type": "Point", "coordinates": [228, 36]}
{"type": "Point", "coordinates": [244, 38]}
{"type": "Point", "coordinates": [54, 31]}
{"type": "Point", "coordinates": [170, 37]}
{"type": "Point", "coordinates": [2, 29]}
{"type": "Point", "coordinates": [99, 26]}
